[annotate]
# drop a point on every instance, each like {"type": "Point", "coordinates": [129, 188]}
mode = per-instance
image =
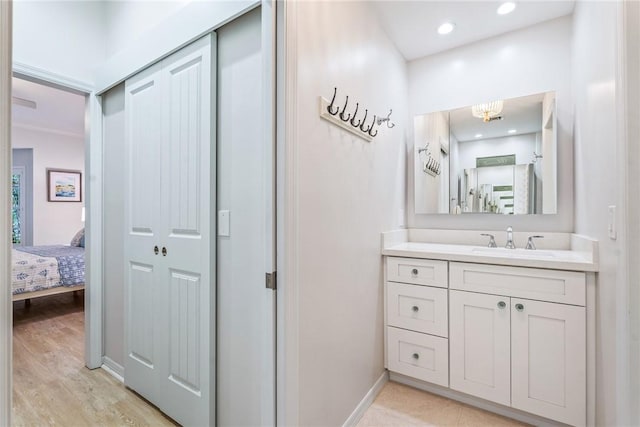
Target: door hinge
{"type": "Point", "coordinates": [271, 280]}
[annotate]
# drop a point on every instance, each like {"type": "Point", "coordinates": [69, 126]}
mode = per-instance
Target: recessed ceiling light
{"type": "Point", "coordinates": [446, 28]}
{"type": "Point", "coordinates": [478, 135]}
{"type": "Point", "coordinates": [506, 7]}
{"type": "Point", "coordinates": [512, 131]}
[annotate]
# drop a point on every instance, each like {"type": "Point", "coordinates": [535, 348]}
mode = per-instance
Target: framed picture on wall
{"type": "Point", "coordinates": [64, 185]}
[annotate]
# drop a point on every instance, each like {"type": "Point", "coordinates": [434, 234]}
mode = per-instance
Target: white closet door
{"type": "Point", "coordinates": [169, 293]}
{"type": "Point", "coordinates": [245, 316]}
{"type": "Point", "coordinates": [142, 204]}
{"type": "Point", "coordinates": [479, 348]}
{"type": "Point", "coordinates": [187, 174]}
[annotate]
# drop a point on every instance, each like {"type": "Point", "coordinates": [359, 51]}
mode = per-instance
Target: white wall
{"type": "Point", "coordinates": [349, 191]}
{"type": "Point", "coordinates": [54, 223]}
{"type": "Point", "coordinates": [113, 224]}
{"type": "Point", "coordinates": [599, 174]}
{"type": "Point", "coordinates": [532, 60]}
{"type": "Point", "coordinates": [62, 37]}
{"type": "Point", "coordinates": [128, 20]}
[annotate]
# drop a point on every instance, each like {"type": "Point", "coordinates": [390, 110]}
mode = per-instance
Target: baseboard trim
{"type": "Point", "coordinates": [367, 400]}
{"type": "Point", "coordinates": [474, 401]}
{"type": "Point", "coordinates": [113, 368]}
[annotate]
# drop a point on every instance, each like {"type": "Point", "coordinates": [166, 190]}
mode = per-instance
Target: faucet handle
{"type": "Point", "coordinates": [492, 240]}
{"type": "Point", "coordinates": [530, 244]}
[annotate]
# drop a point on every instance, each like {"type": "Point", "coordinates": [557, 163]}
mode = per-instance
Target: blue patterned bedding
{"type": "Point", "coordinates": [30, 273]}
{"type": "Point", "coordinates": [69, 268]}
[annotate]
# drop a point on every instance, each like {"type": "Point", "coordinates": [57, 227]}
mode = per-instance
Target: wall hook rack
{"type": "Point", "coordinates": [430, 166]}
{"type": "Point", "coordinates": [387, 120]}
{"type": "Point", "coordinates": [536, 157]}
{"type": "Point", "coordinates": [340, 116]}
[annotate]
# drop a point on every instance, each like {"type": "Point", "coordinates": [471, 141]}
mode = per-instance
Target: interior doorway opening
{"type": "Point", "coordinates": [48, 263]}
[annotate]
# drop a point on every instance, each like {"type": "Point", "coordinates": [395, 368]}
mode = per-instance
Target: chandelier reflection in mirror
{"type": "Point", "coordinates": [488, 111]}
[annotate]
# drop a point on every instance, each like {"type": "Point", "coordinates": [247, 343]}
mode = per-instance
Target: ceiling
{"type": "Point", "coordinates": [412, 25]}
{"type": "Point", "coordinates": [524, 114]}
{"type": "Point", "coordinates": [56, 109]}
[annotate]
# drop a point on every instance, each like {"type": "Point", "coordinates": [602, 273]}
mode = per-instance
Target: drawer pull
{"type": "Point", "coordinates": [416, 356]}
{"type": "Point", "coordinates": [502, 304]}
{"type": "Point", "coordinates": [520, 307]}
{"type": "Point", "coordinates": [415, 308]}
{"type": "Point", "coordinates": [414, 271]}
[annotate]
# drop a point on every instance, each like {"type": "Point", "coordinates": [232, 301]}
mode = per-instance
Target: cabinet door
{"type": "Point", "coordinates": [479, 333]}
{"type": "Point", "coordinates": [548, 346]}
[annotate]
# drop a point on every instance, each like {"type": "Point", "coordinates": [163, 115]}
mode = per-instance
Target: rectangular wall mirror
{"type": "Point", "coordinates": [495, 157]}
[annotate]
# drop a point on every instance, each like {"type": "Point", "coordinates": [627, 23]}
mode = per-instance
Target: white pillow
{"type": "Point", "coordinates": [78, 239]}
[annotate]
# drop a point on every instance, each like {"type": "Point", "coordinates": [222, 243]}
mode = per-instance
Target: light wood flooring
{"type": "Point", "coordinates": [51, 386]}
{"type": "Point", "coordinates": [399, 405]}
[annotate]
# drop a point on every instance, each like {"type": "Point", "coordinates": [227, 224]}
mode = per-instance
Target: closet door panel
{"type": "Point", "coordinates": [142, 204]}
{"type": "Point", "coordinates": [187, 141]}
{"type": "Point", "coordinates": [186, 183]}
{"type": "Point", "coordinates": [143, 107]}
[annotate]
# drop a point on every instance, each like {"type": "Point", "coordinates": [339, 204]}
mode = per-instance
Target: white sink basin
{"type": "Point", "coordinates": [514, 253]}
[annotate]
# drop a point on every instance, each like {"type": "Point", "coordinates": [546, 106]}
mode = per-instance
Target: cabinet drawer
{"type": "Point", "coordinates": [418, 308]}
{"type": "Point", "coordinates": [567, 287]}
{"type": "Point", "coordinates": [420, 356]}
{"type": "Point", "coordinates": [417, 271]}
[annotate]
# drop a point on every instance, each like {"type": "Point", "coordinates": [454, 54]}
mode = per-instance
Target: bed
{"type": "Point", "coordinates": [46, 270]}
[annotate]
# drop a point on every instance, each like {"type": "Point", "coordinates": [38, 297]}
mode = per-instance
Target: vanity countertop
{"type": "Point", "coordinates": [580, 254]}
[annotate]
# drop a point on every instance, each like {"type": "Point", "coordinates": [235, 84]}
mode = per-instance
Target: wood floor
{"type": "Point", "coordinates": [51, 386]}
{"type": "Point", "coordinates": [399, 405]}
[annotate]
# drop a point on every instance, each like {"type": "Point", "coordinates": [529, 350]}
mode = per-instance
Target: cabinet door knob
{"type": "Point", "coordinates": [164, 251]}
{"type": "Point", "coordinates": [415, 308]}
{"type": "Point", "coordinates": [416, 356]}
{"type": "Point", "coordinates": [414, 271]}
{"type": "Point", "coordinates": [519, 307]}
{"type": "Point", "coordinates": [156, 250]}
{"type": "Point", "coordinates": [502, 304]}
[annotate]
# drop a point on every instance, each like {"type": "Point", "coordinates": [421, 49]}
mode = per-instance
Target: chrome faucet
{"type": "Point", "coordinates": [492, 241]}
{"type": "Point", "coordinates": [510, 244]}
{"type": "Point", "coordinates": [530, 244]}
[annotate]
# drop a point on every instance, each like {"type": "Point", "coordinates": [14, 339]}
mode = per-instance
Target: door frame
{"type": "Point", "coordinates": [6, 322]}
{"type": "Point", "coordinates": [92, 201]}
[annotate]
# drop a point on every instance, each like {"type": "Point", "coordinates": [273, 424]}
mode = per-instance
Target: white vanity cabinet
{"type": "Point", "coordinates": [511, 335]}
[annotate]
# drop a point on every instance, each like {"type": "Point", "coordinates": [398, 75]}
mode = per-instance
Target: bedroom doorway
{"type": "Point", "coordinates": [48, 271]}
